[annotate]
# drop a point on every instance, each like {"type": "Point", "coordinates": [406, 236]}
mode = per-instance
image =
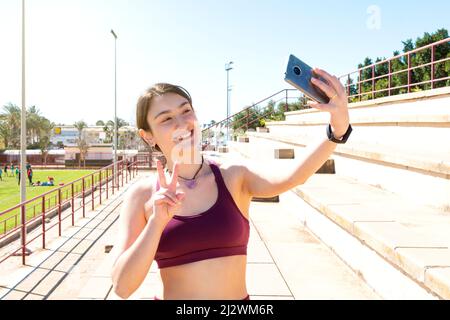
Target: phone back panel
{"type": "Point", "coordinates": [299, 74]}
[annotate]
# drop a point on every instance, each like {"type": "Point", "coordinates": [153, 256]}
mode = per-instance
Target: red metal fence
{"type": "Point", "coordinates": [63, 203]}
{"type": "Point", "coordinates": [358, 90]}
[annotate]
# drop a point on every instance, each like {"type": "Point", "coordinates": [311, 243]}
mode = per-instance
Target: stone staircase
{"type": "Point", "coordinates": [384, 205]}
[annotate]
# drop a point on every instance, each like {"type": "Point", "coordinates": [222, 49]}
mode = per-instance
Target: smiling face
{"type": "Point", "coordinates": [173, 124]}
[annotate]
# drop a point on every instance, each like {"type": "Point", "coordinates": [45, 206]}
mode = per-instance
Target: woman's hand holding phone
{"type": "Point", "coordinates": [337, 106]}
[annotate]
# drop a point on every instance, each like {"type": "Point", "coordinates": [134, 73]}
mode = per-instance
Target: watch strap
{"type": "Point", "coordinates": [332, 138]}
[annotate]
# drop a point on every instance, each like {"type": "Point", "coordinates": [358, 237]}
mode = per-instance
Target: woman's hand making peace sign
{"type": "Point", "coordinates": [166, 200]}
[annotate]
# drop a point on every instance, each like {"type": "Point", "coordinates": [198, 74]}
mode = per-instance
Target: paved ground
{"type": "Point", "coordinates": [285, 261]}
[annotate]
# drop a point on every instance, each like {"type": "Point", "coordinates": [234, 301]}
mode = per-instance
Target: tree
{"type": "Point", "coordinates": [100, 123]}
{"type": "Point", "coordinates": [108, 128]}
{"type": "Point", "coordinates": [417, 75]}
{"type": "Point", "coordinates": [10, 126]}
{"type": "Point", "coordinates": [127, 140]}
{"type": "Point", "coordinates": [10, 123]}
{"type": "Point", "coordinates": [34, 119]}
{"type": "Point", "coordinates": [82, 144]}
{"type": "Point", "coordinates": [45, 132]}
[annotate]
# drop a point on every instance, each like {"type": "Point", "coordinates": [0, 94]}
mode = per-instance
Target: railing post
{"type": "Point", "coordinates": [390, 78]}
{"type": "Point", "coordinates": [359, 85]}
{"type": "Point", "coordinates": [247, 119]}
{"type": "Point", "coordinates": [126, 172]}
{"type": "Point", "coordinates": [43, 222]}
{"type": "Point", "coordinates": [122, 168]}
{"type": "Point", "coordinates": [113, 180]}
{"type": "Point", "coordinates": [432, 67]}
{"type": "Point", "coordinates": [59, 212]}
{"type": "Point", "coordinates": [72, 205]}
{"type": "Point", "coordinates": [100, 186]}
{"type": "Point", "coordinates": [92, 190]}
{"type": "Point", "coordinates": [286, 108]}
{"type": "Point", "coordinates": [373, 81]}
{"type": "Point", "coordinates": [82, 191]}
{"type": "Point", "coordinates": [409, 73]}
{"type": "Point", "coordinates": [107, 181]}
{"type": "Point", "coordinates": [24, 232]}
{"type": "Point", "coordinates": [348, 85]}
{"type": "Point", "coordinates": [117, 178]}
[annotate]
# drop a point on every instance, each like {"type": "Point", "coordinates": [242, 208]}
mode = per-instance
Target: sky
{"type": "Point", "coordinates": [70, 50]}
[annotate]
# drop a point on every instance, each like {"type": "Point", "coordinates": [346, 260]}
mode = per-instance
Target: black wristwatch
{"type": "Point", "coordinates": [331, 137]}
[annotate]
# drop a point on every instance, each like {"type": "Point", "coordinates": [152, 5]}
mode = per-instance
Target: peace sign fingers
{"type": "Point", "coordinates": [162, 177]}
{"type": "Point", "coordinates": [174, 177]}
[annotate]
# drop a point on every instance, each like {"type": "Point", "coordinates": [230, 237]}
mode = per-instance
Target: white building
{"type": "Point", "coordinates": [68, 135]}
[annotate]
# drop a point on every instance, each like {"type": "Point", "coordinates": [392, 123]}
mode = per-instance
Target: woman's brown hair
{"type": "Point", "coordinates": [145, 100]}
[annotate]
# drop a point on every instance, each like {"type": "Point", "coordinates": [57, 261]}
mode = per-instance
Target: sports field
{"type": "Point", "coordinates": [10, 192]}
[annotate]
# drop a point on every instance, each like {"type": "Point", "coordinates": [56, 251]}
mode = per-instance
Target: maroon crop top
{"type": "Point", "coordinates": [220, 231]}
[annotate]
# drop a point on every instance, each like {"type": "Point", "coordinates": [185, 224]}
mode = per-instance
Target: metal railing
{"type": "Point", "coordinates": [62, 203]}
{"type": "Point", "coordinates": [404, 59]}
{"type": "Point", "coordinates": [355, 91]}
{"type": "Point", "coordinates": [249, 115]}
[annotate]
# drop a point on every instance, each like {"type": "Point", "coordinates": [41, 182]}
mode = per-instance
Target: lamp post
{"type": "Point", "coordinates": [115, 179]}
{"type": "Point", "coordinates": [23, 148]}
{"type": "Point", "coordinates": [228, 67]}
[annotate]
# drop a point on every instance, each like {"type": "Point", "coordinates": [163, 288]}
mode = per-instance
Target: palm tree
{"type": "Point", "coordinates": [45, 132]}
{"type": "Point", "coordinates": [10, 126]}
{"type": "Point", "coordinates": [81, 141]}
{"type": "Point", "coordinates": [108, 128]}
{"type": "Point", "coordinates": [34, 119]}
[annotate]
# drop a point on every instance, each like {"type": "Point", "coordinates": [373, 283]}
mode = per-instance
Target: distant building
{"type": "Point", "coordinates": [66, 136]}
{"type": "Point", "coordinates": [96, 156]}
{"type": "Point", "coordinates": [54, 157]}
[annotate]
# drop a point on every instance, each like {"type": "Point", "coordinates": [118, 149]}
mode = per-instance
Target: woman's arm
{"type": "Point", "coordinates": [137, 242]}
{"type": "Point", "coordinates": [264, 181]}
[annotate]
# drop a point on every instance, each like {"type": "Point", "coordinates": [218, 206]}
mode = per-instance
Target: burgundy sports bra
{"type": "Point", "coordinates": [220, 231]}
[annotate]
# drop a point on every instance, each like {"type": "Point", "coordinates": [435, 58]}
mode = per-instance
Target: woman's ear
{"type": "Point", "coordinates": [147, 137]}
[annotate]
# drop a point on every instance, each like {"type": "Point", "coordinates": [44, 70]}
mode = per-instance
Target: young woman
{"type": "Point", "coordinates": [193, 218]}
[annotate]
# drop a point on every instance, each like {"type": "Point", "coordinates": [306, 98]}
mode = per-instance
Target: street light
{"type": "Point", "coordinates": [115, 108]}
{"type": "Point", "coordinates": [228, 67]}
{"type": "Point", "coordinates": [23, 147]}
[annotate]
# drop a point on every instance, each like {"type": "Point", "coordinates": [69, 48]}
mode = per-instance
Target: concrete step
{"type": "Point", "coordinates": [411, 174]}
{"type": "Point", "coordinates": [413, 239]}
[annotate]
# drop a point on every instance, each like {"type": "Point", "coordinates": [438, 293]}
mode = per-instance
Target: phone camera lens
{"type": "Point", "coordinates": [297, 70]}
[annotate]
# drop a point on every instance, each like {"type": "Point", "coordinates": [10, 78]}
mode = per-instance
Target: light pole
{"type": "Point", "coordinates": [115, 109]}
{"type": "Point", "coordinates": [228, 67]}
{"type": "Point", "coordinates": [23, 147]}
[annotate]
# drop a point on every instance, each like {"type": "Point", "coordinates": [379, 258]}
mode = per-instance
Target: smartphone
{"type": "Point", "coordinates": [299, 75]}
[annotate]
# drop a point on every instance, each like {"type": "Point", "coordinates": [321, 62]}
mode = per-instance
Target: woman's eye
{"type": "Point", "coordinates": [187, 110]}
{"type": "Point", "coordinates": [167, 119]}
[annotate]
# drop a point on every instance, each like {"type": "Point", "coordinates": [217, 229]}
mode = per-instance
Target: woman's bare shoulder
{"type": "Point", "coordinates": [231, 167]}
{"type": "Point", "coordinates": [142, 190]}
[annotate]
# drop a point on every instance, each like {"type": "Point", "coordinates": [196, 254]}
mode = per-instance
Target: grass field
{"type": "Point", "coordinates": [10, 192]}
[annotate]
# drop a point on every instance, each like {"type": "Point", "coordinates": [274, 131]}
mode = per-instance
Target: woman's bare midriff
{"type": "Point", "coordinates": [217, 278]}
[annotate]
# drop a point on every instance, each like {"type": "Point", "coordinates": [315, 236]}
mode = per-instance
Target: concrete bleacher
{"type": "Point", "coordinates": [390, 193]}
